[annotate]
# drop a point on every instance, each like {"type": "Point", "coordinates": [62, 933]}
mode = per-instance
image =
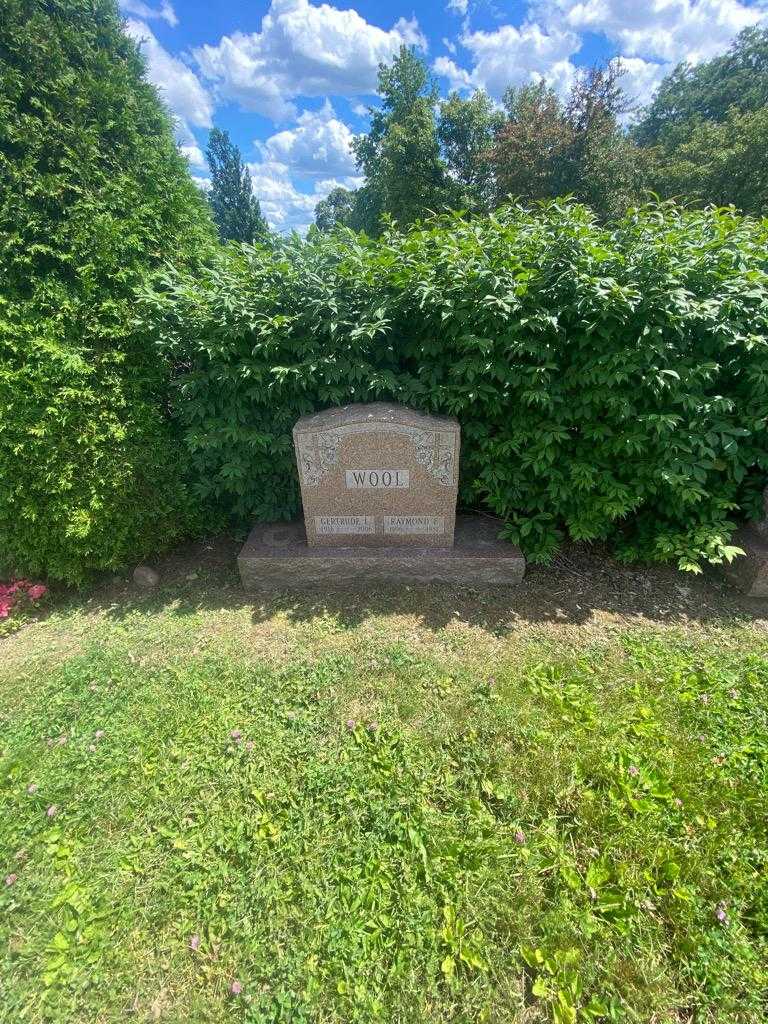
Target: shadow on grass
{"type": "Point", "coordinates": [583, 585]}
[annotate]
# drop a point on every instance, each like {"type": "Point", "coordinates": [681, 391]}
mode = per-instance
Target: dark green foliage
{"type": "Point", "coordinates": [235, 209]}
{"type": "Point", "coordinates": [611, 383]}
{"type": "Point", "coordinates": [93, 193]}
{"type": "Point", "coordinates": [466, 129]}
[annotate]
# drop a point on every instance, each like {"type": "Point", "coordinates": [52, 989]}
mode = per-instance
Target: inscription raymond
{"type": "Point", "coordinates": [408, 524]}
{"type": "Point", "coordinates": [414, 524]}
{"type": "Point", "coordinates": [383, 479]}
{"type": "Point", "coordinates": [378, 475]}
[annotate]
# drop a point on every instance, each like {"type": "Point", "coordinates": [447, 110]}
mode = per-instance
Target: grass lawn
{"type": "Point", "coordinates": [414, 806]}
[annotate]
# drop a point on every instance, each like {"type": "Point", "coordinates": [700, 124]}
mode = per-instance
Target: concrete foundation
{"type": "Point", "coordinates": [276, 557]}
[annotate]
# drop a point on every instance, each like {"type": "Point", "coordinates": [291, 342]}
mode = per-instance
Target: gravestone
{"type": "Point", "coordinates": [378, 486]}
{"type": "Point", "coordinates": [749, 572]}
{"type": "Point", "coordinates": [378, 475]}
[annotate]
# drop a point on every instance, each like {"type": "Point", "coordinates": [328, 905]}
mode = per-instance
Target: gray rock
{"type": "Point", "coordinates": [145, 577]}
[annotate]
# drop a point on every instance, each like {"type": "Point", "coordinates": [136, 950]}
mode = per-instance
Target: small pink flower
{"type": "Point", "coordinates": [99, 734]}
{"type": "Point", "coordinates": [37, 591]}
{"type": "Point", "coordinates": [720, 913]}
{"type": "Point", "coordinates": [351, 724]}
{"type": "Point", "coordinates": [704, 698]}
{"type": "Point", "coordinates": [633, 770]}
{"type": "Point", "coordinates": [678, 802]}
{"type": "Point", "coordinates": [62, 740]}
{"type": "Point", "coordinates": [519, 837]}
{"type": "Point", "coordinates": [733, 694]}
{"type": "Point", "coordinates": [5, 608]}
{"type": "Point", "coordinates": [194, 943]}
{"type": "Point", "coordinates": [235, 988]}
{"type": "Point", "coordinates": [250, 745]}
{"type": "Point", "coordinates": [235, 735]}
{"type": "Point", "coordinates": [92, 748]}
{"type": "Point", "coordinates": [373, 726]}
{"type": "Point", "coordinates": [491, 682]}
{"type": "Point", "coordinates": [32, 788]}
{"type": "Point", "coordinates": [10, 879]}
{"type": "Point", "coordinates": [52, 811]}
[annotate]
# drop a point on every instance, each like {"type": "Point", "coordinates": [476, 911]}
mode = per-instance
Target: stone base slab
{"type": "Point", "coordinates": [749, 572]}
{"type": "Point", "coordinates": [276, 557]}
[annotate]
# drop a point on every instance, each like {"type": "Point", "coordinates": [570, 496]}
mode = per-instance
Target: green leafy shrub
{"type": "Point", "coordinates": [611, 382]}
{"type": "Point", "coordinates": [93, 195]}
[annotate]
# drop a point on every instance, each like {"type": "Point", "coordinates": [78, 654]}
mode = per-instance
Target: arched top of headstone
{"type": "Point", "coordinates": [373, 413]}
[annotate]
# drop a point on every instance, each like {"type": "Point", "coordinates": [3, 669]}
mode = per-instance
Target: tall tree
{"type": "Point", "coordinates": [692, 95]}
{"type": "Point", "coordinates": [400, 155]}
{"type": "Point", "coordinates": [466, 130]}
{"type": "Point", "coordinates": [335, 209]}
{"type": "Point", "coordinates": [530, 144]}
{"type": "Point", "coordinates": [235, 209]}
{"type": "Point", "coordinates": [549, 147]}
{"type": "Point", "coordinates": [705, 135]}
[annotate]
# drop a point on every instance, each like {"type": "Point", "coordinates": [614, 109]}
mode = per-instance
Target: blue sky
{"type": "Point", "coordinates": [291, 79]}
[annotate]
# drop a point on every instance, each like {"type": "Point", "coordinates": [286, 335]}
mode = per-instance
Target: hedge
{"type": "Point", "coordinates": [611, 381]}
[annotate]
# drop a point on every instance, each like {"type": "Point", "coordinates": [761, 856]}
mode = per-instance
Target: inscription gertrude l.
{"type": "Point", "coordinates": [383, 479]}
{"type": "Point", "coordinates": [344, 524]}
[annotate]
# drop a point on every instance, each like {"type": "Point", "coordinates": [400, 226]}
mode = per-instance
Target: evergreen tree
{"type": "Point", "coordinates": [235, 209]}
{"type": "Point", "coordinates": [94, 197]}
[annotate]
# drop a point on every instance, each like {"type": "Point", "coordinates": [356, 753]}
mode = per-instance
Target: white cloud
{"type": "Point", "coordinates": [285, 207]}
{"type": "Point", "coordinates": [165, 11]}
{"type": "Point", "coordinates": [641, 79]}
{"type": "Point", "coordinates": [514, 56]}
{"type": "Point", "coordinates": [319, 144]}
{"type": "Point", "coordinates": [360, 109]}
{"type": "Point", "coordinates": [458, 6]}
{"type": "Point", "coordinates": [302, 49]}
{"type": "Point", "coordinates": [193, 153]}
{"type": "Point", "coordinates": [457, 77]}
{"type": "Point", "coordinates": [178, 85]}
{"type": "Point", "coordinates": [450, 46]}
{"type": "Point", "coordinates": [665, 30]}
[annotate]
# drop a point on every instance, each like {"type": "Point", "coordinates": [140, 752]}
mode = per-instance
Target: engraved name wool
{"type": "Point", "coordinates": [377, 479]}
{"type": "Point", "coordinates": [414, 524]}
{"type": "Point", "coordinates": [345, 524]}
